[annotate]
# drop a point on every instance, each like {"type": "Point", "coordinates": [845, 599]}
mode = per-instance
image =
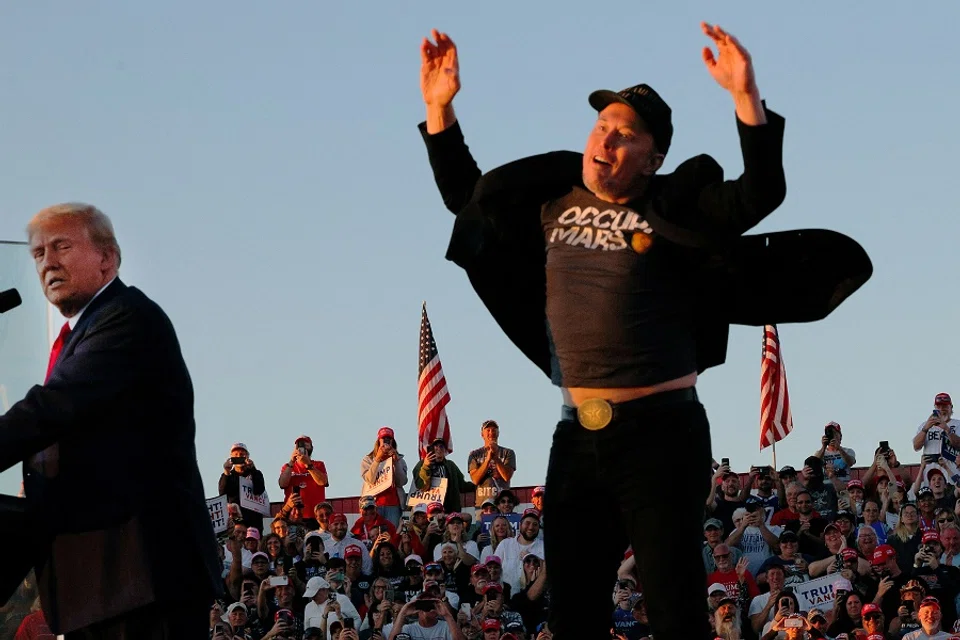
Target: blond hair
{"type": "Point", "coordinates": [97, 224]}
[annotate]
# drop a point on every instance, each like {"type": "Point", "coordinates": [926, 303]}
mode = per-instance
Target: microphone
{"type": "Point", "coordinates": [9, 299]}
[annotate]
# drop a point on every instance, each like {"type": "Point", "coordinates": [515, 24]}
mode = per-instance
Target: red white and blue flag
{"type": "Point", "coordinates": [775, 419]}
{"type": "Point", "coordinates": [433, 393]}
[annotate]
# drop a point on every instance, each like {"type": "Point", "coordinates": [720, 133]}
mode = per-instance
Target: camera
{"type": "Point", "coordinates": [624, 584]}
{"type": "Point", "coordinates": [907, 604]}
{"type": "Point", "coordinates": [235, 460]}
{"type": "Point", "coordinates": [724, 462]}
{"type": "Point", "coordinates": [785, 602]}
{"type": "Point", "coordinates": [829, 433]}
{"type": "Point", "coordinates": [425, 604]}
{"type": "Point", "coordinates": [296, 490]}
{"type": "Point", "coordinates": [313, 544]}
{"type": "Point", "coordinates": [885, 448]}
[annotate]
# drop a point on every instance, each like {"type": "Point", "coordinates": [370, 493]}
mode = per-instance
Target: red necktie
{"type": "Point", "coordinates": [47, 461]}
{"type": "Point", "coordinates": [57, 348]}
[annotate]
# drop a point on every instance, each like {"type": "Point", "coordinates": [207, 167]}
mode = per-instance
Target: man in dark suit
{"type": "Point", "coordinates": [110, 468]}
{"type": "Point", "coordinates": [620, 284]}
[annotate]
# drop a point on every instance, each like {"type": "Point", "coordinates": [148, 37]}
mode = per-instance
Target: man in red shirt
{"type": "Point", "coordinates": [371, 525]}
{"type": "Point", "coordinates": [738, 581]}
{"type": "Point", "coordinates": [304, 475]}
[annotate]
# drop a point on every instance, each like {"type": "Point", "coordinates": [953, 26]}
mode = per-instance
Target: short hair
{"type": "Point", "coordinates": [98, 225]}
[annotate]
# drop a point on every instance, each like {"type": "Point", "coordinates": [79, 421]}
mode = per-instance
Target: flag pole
{"type": "Point", "coordinates": [774, 454]}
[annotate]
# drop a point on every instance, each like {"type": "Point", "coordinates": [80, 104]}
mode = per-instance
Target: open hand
{"type": "Point", "coordinates": [741, 567]}
{"type": "Point", "coordinates": [732, 68]}
{"type": "Point", "coordinates": [439, 70]}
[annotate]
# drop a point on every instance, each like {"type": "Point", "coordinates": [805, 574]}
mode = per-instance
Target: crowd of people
{"type": "Point", "coordinates": [877, 555]}
{"type": "Point", "coordinates": [818, 553]}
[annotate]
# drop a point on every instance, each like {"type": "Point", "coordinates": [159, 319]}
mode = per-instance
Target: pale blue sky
{"type": "Point", "coordinates": [269, 188]}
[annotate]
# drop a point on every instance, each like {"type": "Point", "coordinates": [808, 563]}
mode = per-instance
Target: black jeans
{"type": "Point", "coordinates": [641, 481]}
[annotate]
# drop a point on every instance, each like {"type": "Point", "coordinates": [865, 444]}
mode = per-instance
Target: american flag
{"type": "Point", "coordinates": [433, 393]}
{"type": "Point", "coordinates": [775, 419]}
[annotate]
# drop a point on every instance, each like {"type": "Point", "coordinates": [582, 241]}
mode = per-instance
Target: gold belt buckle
{"type": "Point", "coordinates": [594, 414]}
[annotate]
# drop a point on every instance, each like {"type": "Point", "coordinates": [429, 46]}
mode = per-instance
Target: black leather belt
{"type": "Point", "coordinates": [596, 413]}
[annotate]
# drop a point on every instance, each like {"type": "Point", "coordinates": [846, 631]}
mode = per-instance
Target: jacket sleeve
{"type": "Point", "coordinates": [400, 476]}
{"type": "Point", "coordinates": [107, 365]}
{"type": "Point", "coordinates": [728, 208]}
{"type": "Point", "coordinates": [259, 486]}
{"type": "Point", "coordinates": [222, 485]}
{"type": "Point", "coordinates": [454, 169]}
{"type": "Point", "coordinates": [420, 477]}
{"type": "Point", "coordinates": [465, 487]}
{"type": "Point", "coordinates": [366, 464]}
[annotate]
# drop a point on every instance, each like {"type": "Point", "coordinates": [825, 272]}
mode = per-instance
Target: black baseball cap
{"type": "Point", "coordinates": [647, 103]}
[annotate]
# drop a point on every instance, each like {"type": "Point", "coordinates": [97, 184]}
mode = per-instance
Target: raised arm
{"type": "Point", "coordinates": [731, 207]}
{"type": "Point", "coordinates": [454, 169]}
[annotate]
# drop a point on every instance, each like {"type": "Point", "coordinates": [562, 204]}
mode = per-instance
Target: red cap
{"type": "Point", "coordinates": [455, 516]}
{"type": "Point", "coordinates": [883, 553]}
{"type": "Point", "coordinates": [477, 568]}
{"type": "Point", "coordinates": [493, 586]}
{"type": "Point", "coordinates": [929, 601]}
{"type": "Point", "coordinates": [352, 551]}
{"type": "Point", "coordinates": [855, 483]}
{"type": "Point", "coordinates": [530, 513]}
{"type": "Point", "coordinates": [836, 427]}
{"type": "Point", "coordinates": [848, 554]}
{"type": "Point", "coordinates": [337, 517]}
{"type": "Point", "coordinates": [305, 439]}
{"type": "Point", "coordinates": [434, 507]}
{"type": "Point", "coordinates": [943, 398]}
{"type": "Point", "coordinates": [491, 623]}
{"type": "Point", "coordinates": [930, 536]}
{"type": "Point", "coordinates": [869, 608]}
{"type": "Point", "coordinates": [385, 432]}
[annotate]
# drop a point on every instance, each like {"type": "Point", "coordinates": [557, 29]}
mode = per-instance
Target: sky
{"type": "Point", "coordinates": [269, 188]}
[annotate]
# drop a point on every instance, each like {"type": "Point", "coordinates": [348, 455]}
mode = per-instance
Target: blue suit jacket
{"type": "Point", "coordinates": [120, 520]}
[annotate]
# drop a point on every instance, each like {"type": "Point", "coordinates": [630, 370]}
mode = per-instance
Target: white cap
{"type": "Point", "coordinates": [842, 584]}
{"type": "Point", "coordinates": [233, 607]}
{"type": "Point", "coordinates": [314, 584]}
{"type": "Point", "coordinates": [716, 586]}
{"type": "Point", "coordinates": [420, 508]}
{"type": "Point", "coordinates": [413, 556]}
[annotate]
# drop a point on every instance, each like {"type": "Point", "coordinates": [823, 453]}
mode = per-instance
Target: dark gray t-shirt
{"type": "Point", "coordinates": [492, 483]}
{"type": "Point", "coordinates": [619, 301]}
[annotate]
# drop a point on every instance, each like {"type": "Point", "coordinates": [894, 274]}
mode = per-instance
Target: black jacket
{"type": "Point", "coordinates": [118, 409]}
{"type": "Point", "coordinates": [792, 276]}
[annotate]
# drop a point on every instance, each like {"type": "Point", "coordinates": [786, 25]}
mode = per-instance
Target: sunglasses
{"type": "Point", "coordinates": [945, 520]}
{"type": "Point", "coordinates": [872, 616]}
{"type": "Point", "coordinates": [721, 556]}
